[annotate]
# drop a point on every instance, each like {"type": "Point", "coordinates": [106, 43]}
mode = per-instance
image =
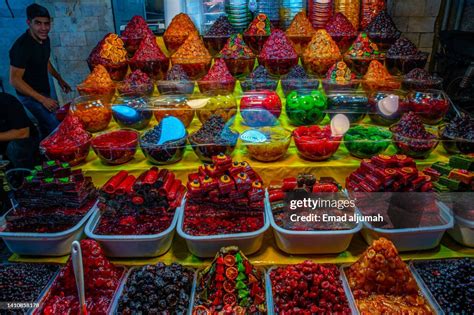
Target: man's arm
{"type": "Point", "coordinates": [15, 134]}
{"type": "Point", "coordinates": [64, 86]}
{"type": "Point", "coordinates": [16, 80]}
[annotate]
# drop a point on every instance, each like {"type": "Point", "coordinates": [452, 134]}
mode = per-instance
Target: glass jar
{"type": "Point", "coordinates": [288, 10]}
{"type": "Point", "coordinates": [238, 13]}
{"type": "Point", "coordinates": [271, 8]}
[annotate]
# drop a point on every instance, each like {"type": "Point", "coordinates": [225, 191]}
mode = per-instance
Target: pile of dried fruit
{"type": "Point", "coordinates": [193, 56]}
{"type": "Point", "coordinates": [231, 284]}
{"type": "Point", "coordinates": [180, 28]}
{"type": "Point", "coordinates": [110, 53]}
{"type": "Point", "coordinates": [157, 289]}
{"type": "Point", "coordinates": [382, 283]}
{"type": "Point", "coordinates": [322, 52]}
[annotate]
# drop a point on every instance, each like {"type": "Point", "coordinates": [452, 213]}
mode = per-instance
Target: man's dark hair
{"type": "Point", "coordinates": [35, 10]}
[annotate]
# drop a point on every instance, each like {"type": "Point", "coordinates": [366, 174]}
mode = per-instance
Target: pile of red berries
{"type": "Point", "coordinates": [308, 288]}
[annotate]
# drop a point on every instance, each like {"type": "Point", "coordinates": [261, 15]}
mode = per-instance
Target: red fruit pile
{"type": "Point", "coordinates": [218, 78]}
{"type": "Point", "coordinates": [260, 108]}
{"type": "Point", "coordinates": [136, 28]}
{"type": "Point", "coordinates": [101, 279]}
{"type": "Point", "coordinates": [134, 32]}
{"type": "Point", "coordinates": [388, 173]}
{"type": "Point", "coordinates": [339, 25]}
{"type": "Point", "coordinates": [150, 59]}
{"type": "Point", "coordinates": [308, 288]}
{"type": "Point", "coordinates": [139, 206]}
{"type": "Point", "coordinates": [224, 197]}
{"type": "Point", "coordinates": [278, 46]}
{"type": "Point", "coordinates": [70, 143]}
{"type": "Point", "coordinates": [315, 142]}
{"type": "Point", "coordinates": [383, 284]}
{"type": "Point", "coordinates": [136, 83]}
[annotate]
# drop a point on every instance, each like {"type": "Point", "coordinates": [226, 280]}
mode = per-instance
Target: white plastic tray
{"type": "Point", "coordinates": [209, 245]}
{"type": "Point", "coordinates": [118, 294]}
{"type": "Point", "coordinates": [311, 242]}
{"type": "Point", "coordinates": [411, 238]}
{"type": "Point", "coordinates": [426, 292]}
{"type": "Point", "coordinates": [45, 244]}
{"type": "Point", "coordinates": [345, 285]}
{"type": "Point", "coordinates": [46, 292]}
{"type": "Point", "coordinates": [463, 231]}
{"type": "Point", "coordinates": [432, 303]}
{"type": "Point", "coordinates": [133, 245]}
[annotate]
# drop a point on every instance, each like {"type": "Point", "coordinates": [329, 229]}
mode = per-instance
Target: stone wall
{"type": "Point", "coordinates": [77, 27]}
{"type": "Point", "coordinates": [416, 19]}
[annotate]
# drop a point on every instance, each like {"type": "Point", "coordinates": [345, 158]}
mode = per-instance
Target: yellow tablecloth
{"type": "Point", "coordinates": [270, 255]}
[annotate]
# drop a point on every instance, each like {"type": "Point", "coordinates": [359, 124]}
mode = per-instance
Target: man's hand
{"type": "Point", "coordinates": [49, 103]}
{"type": "Point", "coordinates": [64, 86]}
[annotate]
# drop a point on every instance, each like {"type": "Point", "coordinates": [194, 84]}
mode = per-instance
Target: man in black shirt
{"type": "Point", "coordinates": [18, 136]}
{"type": "Point", "coordinates": [29, 67]}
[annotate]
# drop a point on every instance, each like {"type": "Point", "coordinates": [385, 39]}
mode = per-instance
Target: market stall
{"type": "Point", "coordinates": [187, 150]}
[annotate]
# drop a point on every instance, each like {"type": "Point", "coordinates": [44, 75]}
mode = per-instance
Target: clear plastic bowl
{"type": "Point", "coordinates": [415, 148]}
{"type": "Point", "coordinates": [167, 153]}
{"type": "Point", "coordinates": [205, 151]}
{"type": "Point", "coordinates": [397, 65]}
{"type": "Point", "coordinates": [93, 111]}
{"type": "Point", "coordinates": [214, 44]}
{"type": "Point", "coordinates": [172, 87]}
{"type": "Point", "coordinates": [241, 66]}
{"type": "Point", "coordinates": [73, 155]}
{"type": "Point", "coordinates": [116, 147]}
{"type": "Point", "coordinates": [278, 66]}
{"type": "Point", "coordinates": [106, 93]}
{"type": "Point", "coordinates": [220, 105]}
{"type": "Point", "coordinates": [172, 106]}
{"type": "Point", "coordinates": [273, 148]}
{"type": "Point", "coordinates": [135, 90]}
{"type": "Point", "coordinates": [366, 148]}
{"type": "Point", "coordinates": [431, 105]}
{"type": "Point", "coordinates": [380, 118]}
{"type": "Point", "coordinates": [155, 69]}
{"type": "Point", "coordinates": [211, 87]}
{"type": "Point", "coordinates": [131, 112]}
{"type": "Point", "coordinates": [353, 104]}
{"type": "Point", "coordinates": [289, 85]}
{"type": "Point", "coordinates": [315, 149]}
{"type": "Point", "coordinates": [455, 145]}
